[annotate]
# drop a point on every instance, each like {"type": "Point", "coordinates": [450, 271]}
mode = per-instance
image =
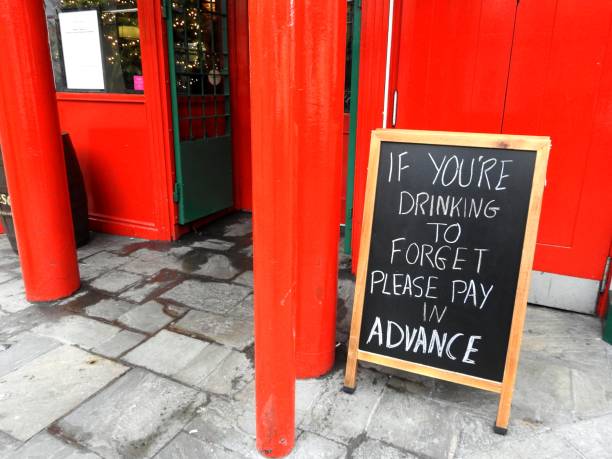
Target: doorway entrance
{"type": "Point", "coordinates": [200, 93]}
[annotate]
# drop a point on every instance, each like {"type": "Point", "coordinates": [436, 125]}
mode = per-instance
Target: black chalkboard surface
{"type": "Point", "coordinates": [445, 253]}
{"type": "Point", "coordinates": [447, 247]}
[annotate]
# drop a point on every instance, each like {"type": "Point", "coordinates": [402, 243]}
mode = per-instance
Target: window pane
{"type": "Point", "coordinates": [119, 41]}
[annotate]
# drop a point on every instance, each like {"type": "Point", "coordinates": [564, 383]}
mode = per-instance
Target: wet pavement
{"type": "Point", "coordinates": [153, 357]}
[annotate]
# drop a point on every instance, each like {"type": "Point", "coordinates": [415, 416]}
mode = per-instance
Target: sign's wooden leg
{"type": "Point", "coordinates": [503, 412]}
{"type": "Point", "coordinates": [350, 376]}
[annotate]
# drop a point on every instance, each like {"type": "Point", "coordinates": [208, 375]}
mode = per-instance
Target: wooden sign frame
{"type": "Point", "coordinates": [539, 145]}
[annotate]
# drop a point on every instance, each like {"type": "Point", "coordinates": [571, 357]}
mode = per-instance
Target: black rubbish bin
{"type": "Point", "coordinates": [78, 198]}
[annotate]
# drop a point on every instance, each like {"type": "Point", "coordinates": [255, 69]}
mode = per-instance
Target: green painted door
{"type": "Point", "coordinates": [199, 80]}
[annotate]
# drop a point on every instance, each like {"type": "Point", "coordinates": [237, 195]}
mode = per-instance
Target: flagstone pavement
{"type": "Point", "coordinates": [153, 357]}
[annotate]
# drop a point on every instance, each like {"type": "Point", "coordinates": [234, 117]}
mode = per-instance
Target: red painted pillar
{"type": "Point", "coordinates": [33, 154]}
{"type": "Point", "coordinates": [297, 54]}
{"type": "Point", "coordinates": [319, 114]}
{"type": "Point", "coordinates": [271, 44]}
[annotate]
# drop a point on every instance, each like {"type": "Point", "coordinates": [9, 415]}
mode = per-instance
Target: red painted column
{"type": "Point", "coordinates": [319, 120]}
{"type": "Point", "coordinates": [272, 40]}
{"type": "Point", "coordinates": [33, 154]}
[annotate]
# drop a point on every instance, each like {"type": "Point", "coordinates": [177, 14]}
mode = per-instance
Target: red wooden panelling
{"type": "Point", "coordinates": [112, 144]}
{"type": "Point", "coordinates": [561, 85]}
{"type": "Point", "coordinates": [154, 50]}
{"type": "Point", "coordinates": [374, 25]}
{"type": "Point", "coordinates": [453, 64]}
{"type": "Point", "coordinates": [542, 68]}
{"type": "Point", "coordinates": [449, 65]}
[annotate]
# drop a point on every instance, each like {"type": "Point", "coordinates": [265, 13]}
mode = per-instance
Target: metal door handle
{"type": "Point", "coordinates": [394, 118]}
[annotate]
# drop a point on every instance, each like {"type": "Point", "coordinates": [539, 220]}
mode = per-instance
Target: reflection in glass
{"type": "Point", "coordinates": [201, 66]}
{"type": "Point", "coordinates": [120, 41]}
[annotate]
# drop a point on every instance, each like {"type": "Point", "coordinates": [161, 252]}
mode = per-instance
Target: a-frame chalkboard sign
{"type": "Point", "coordinates": [447, 244]}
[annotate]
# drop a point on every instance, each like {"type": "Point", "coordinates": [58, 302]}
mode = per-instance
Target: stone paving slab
{"type": "Point", "coordinates": [216, 297]}
{"type": "Point", "coordinates": [46, 446]}
{"type": "Point", "coordinates": [244, 310]}
{"type": "Point", "coordinates": [233, 373]}
{"type": "Point", "coordinates": [544, 391]}
{"type": "Point", "coordinates": [107, 242]}
{"type": "Point", "coordinates": [185, 446]}
{"type": "Point", "coordinates": [7, 444]}
{"type": "Point", "coordinates": [149, 317]}
{"type": "Point", "coordinates": [213, 244]}
{"type": "Point", "coordinates": [23, 349]}
{"type": "Point", "coordinates": [84, 332]}
{"type": "Point", "coordinates": [15, 303]}
{"type": "Point", "coordinates": [166, 353]}
{"type": "Point", "coordinates": [88, 273]}
{"type": "Point", "coordinates": [104, 259]}
{"type": "Point", "coordinates": [108, 309]}
{"type": "Point", "coordinates": [210, 367]}
{"type": "Point", "coordinates": [13, 297]}
{"type": "Point", "coordinates": [548, 332]}
{"type": "Point", "coordinates": [427, 429]}
{"type": "Point", "coordinates": [239, 229]}
{"type": "Point", "coordinates": [544, 446]}
{"type": "Point", "coordinates": [6, 276]}
{"type": "Point", "coordinates": [591, 437]}
{"type": "Point", "coordinates": [345, 416]}
{"type": "Point", "coordinates": [205, 364]}
{"type": "Point", "coordinates": [49, 386]}
{"type": "Point", "coordinates": [151, 287]}
{"type": "Point", "coordinates": [309, 445]}
{"type": "Point", "coordinates": [217, 266]}
{"type": "Point", "coordinates": [375, 449]}
{"type": "Point", "coordinates": [119, 344]}
{"type": "Point", "coordinates": [140, 292]}
{"type": "Point", "coordinates": [220, 423]}
{"type": "Point", "coordinates": [134, 417]}
{"type": "Point", "coordinates": [100, 262]}
{"type": "Point", "coordinates": [246, 278]}
{"type": "Point", "coordinates": [236, 332]}
{"type": "Point", "coordinates": [14, 324]}
{"type": "Point", "coordinates": [247, 251]}
{"type": "Point", "coordinates": [115, 281]}
{"type": "Point", "coordinates": [13, 287]}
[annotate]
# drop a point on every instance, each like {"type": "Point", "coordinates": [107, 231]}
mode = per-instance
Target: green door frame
{"type": "Point", "coordinates": [203, 166]}
{"type": "Point", "coordinates": [350, 169]}
{"type": "Point", "coordinates": [176, 137]}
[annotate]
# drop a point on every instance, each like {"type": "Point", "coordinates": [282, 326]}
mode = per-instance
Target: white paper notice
{"type": "Point", "coordinates": [80, 33]}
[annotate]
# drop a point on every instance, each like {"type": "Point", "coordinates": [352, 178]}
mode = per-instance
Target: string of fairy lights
{"type": "Point", "coordinates": [194, 26]}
